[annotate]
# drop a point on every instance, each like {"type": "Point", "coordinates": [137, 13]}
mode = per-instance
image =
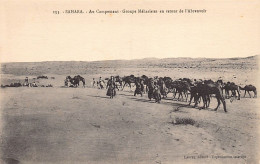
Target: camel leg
{"type": "Point", "coordinates": [218, 103]}
{"type": "Point", "coordinates": [220, 97]}
{"type": "Point", "coordinates": [249, 94]}
{"type": "Point", "coordinates": [123, 86]}
{"type": "Point", "coordinates": [208, 101]}
{"type": "Point", "coordinates": [174, 95]}
{"type": "Point", "coordinates": [186, 96]}
{"type": "Point", "coordinates": [182, 96]}
{"type": "Point", "coordinates": [238, 92]}
{"type": "Point", "coordinates": [245, 94]}
{"type": "Point", "coordinates": [196, 98]}
{"type": "Point", "coordinates": [196, 103]}
{"type": "Point", "coordinates": [233, 93]}
{"type": "Point", "coordinates": [173, 92]}
{"type": "Point", "coordinates": [199, 99]}
{"type": "Point", "coordinates": [224, 104]}
{"type": "Point", "coordinates": [204, 102]}
{"type": "Point", "coordinates": [255, 93]}
{"type": "Point", "coordinates": [179, 96]}
{"type": "Point", "coordinates": [227, 94]}
{"type": "Point", "coordinates": [130, 86]}
{"type": "Point", "coordinates": [191, 97]}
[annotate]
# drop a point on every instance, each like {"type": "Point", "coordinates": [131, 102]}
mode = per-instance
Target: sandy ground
{"type": "Point", "coordinates": [82, 125]}
{"type": "Point", "coordinates": [76, 125]}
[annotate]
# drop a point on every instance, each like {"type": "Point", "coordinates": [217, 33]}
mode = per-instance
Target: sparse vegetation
{"type": "Point", "coordinates": [183, 121]}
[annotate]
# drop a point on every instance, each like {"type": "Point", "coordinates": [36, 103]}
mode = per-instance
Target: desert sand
{"type": "Point", "coordinates": [82, 125]}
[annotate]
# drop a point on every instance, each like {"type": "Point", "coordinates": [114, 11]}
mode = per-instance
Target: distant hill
{"type": "Point", "coordinates": [85, 67]}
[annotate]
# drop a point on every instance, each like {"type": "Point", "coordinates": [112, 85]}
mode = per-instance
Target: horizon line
{"type": "Point", "coordinates": [128, 59]}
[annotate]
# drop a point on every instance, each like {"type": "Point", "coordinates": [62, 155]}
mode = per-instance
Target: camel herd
{"type": "Point", "coordinates": [159, 87]}
{"type": "Point", "coordinates": [74, 82]}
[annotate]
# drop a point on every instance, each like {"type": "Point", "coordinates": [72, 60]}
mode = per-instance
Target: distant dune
{"type": "Point", "coordinates": [86, 67]}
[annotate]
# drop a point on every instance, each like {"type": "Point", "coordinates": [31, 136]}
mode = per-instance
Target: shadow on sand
{"type": "Point", "coordinates": [167, 102]}
{"type": "Point", "coordinates": [103, 97]}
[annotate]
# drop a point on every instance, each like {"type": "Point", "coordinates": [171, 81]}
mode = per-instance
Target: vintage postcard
{"type": "Point", "coordinates": [151, 82]}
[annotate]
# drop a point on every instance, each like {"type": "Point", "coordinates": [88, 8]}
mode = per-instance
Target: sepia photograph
{"type": "Point", "coordinates": [149, 82]}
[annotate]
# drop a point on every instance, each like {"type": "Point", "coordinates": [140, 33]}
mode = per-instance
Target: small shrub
{"type": "Point", "coordinates": [183, 121]}
{"type": "Point", "coordinates": [75, 97]}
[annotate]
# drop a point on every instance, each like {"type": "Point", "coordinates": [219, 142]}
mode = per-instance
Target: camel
{"type": "Point", "coordinates": [182, 87]}
{"type": "Point", "coordinates": [145, 79]}
{"type": "Point", "coordinates": [119, 80]}
{"type": "Point", "coordinates": [167, 81]}
{"type": "Point", "coordinates": [78, 78]}
{"type": "Point", "coordinates": [194, 93]}
{"type": "Point", "coordinates": [208, 87]}
{"type": "Point", "coordinates": [230, 86]}
{"type": "Point", "coordinates": [73, 81]}
{"type": "Point", "coordinates": [249, 88]}
{"type": "Point", "coordinates": [128, 80]}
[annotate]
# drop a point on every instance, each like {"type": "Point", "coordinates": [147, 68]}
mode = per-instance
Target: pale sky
{"type": "Point", "coordinates": [31, 32]}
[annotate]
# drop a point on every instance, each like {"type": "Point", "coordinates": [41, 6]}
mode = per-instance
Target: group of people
{"type": "Point", "coordinates": [110, 86]}
{"type": "Point", "coordinates": [26, 83]}
{"type": "Point", "coordinates": [99, 83]}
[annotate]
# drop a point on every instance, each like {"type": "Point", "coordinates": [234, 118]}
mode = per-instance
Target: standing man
{"type": "Point", "coordinates": [100, 82]}
{"type": "Point", "coordinates": [111, 85]}
{"type": "Point", "coordinates": [93, 83]}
